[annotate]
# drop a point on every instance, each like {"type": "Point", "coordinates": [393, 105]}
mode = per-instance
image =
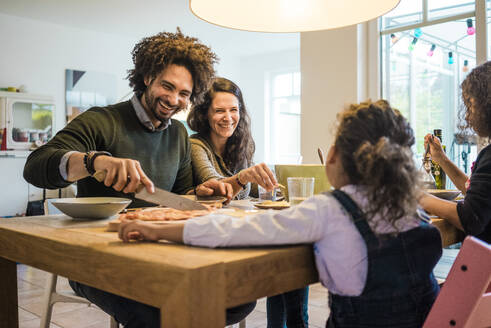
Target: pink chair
{"type": "Point", "coordinates": [465, 298]}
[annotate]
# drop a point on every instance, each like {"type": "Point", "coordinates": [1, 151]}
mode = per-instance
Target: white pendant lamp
{"type": "Point", "coordinates": [289, 15]}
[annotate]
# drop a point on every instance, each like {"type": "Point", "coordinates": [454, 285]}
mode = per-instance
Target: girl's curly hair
{"type": "Point", "coordinates": [155, 53]}
{"type": "Point", "coordinates": [374, 142]}
{"type": "Point", "coordinates": [240, 146]}
{"type": "Point", "coordinates": [477, 86]}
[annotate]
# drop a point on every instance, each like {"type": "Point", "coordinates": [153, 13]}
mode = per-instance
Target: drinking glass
{"type": "Point", "coordinates": [299, 189]}
{"type": "Point", "coordinates": [266, 195]}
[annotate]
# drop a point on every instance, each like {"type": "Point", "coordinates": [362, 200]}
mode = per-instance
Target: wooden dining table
{"type": "Point", "coordinates": [191, 285]}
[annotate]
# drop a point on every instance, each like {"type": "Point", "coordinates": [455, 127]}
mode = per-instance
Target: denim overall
{"type": "Point", "coordinates": [400, 287]}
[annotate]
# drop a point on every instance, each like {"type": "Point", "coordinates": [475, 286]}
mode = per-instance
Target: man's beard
{"type": "Point", "coordinates": [153, 102]}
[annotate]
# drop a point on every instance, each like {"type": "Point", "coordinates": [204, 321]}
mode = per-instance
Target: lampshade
{"type": "Point", "coordinates": [289, 15]}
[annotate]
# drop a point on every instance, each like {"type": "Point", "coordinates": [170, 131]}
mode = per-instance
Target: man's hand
{"type": "Point", "coordinates": [215, 187]}
{"type": "Point", "coordinates": [123, 174]}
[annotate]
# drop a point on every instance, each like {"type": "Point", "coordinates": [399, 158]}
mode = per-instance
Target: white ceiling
{"type": "Point", "coordinates": [140, 18]}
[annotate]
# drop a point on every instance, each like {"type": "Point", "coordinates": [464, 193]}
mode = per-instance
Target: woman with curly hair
{"type": "Point", "coordinates": [372, 250]}
{"type": "Point", "coordinates": [223, 146]}
{"type": "Point", "coordinates": [473, 214]}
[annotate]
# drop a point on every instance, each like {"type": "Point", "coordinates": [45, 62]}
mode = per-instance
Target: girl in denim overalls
{"type": "Point", "coordinates": [373, 252]}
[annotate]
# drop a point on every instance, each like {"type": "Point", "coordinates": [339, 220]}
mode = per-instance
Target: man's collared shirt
{"type": "Point", "coordinates": [143, 116]}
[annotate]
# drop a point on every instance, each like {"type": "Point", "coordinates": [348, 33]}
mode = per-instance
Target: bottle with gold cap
{"type": "Point", "coordinates": [436, 170]}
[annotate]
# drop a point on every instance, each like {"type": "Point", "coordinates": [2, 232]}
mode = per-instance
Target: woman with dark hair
{"type": "Point", "coordinates": [473, 214]}
{"type": "Point", "coordinates": [222, 149]}
{"type": "Point", "coordinates": [223, 146]}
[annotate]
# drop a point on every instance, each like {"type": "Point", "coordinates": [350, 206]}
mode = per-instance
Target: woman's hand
{"type": "Point", "coordinates": [260, 174]}
{"type": "Point", "coordinates": [436, 150]}
{"type": "Point", "coordinates": [137, 230]}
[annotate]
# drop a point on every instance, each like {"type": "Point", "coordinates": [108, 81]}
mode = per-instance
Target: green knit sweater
{"type": "Point", "coordinates": [163, 155]}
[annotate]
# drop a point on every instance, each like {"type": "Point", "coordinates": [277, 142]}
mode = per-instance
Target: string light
{"type": "Point", "coordinates": [393, 38]}
{"type": "Point", "coordinates": [412, 44]}
{"type": "Point", "coordinates": [450, 58]}
{"type": "Point", "coordinates": [470, 29]}
{"type": "Point", "coordinates": [465, 68]}
{"type": "Point", "coordinates": [417, 32]}
{"type": "Point", "coordinates": [430, 52]}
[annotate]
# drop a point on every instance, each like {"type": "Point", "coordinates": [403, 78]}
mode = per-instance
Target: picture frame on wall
{"type": "Point", "coordinates": [86, 89]}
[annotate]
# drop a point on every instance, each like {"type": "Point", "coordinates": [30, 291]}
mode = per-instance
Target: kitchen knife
{"type": "Point", "coordinates": [169, 199]}
{"type": "Point", "coordinates": [160, 196]}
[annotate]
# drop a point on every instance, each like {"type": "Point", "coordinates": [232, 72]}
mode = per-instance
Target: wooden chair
{"type": "Point", "coordinates": [465, 298]}
{"type": "Point", "coordinates": [52, 296]}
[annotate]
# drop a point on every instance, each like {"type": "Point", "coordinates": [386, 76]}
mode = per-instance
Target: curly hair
{"type": "Point", "coordinates": [374, 142]}
{"type": "Point", "coordinates": [155, 53]}
{"type": "Point", "coordinates": [240, 146]}
{"type": "Point", "coordinates": [477, 86]}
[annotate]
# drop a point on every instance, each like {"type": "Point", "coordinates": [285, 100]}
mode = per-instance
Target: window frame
{"type": "Point", "coordinates": [271, 126]}
{"type": "Point", "coordinates": [375, 34]}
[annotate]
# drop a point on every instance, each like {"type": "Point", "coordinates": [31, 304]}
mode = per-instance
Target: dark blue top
{"type": "Point", "coordinates": [475, 211]}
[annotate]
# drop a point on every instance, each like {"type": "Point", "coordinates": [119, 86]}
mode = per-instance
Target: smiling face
{"type": "Point", "coordinates": [223, 115]}
{"type": "Point", "coordinates": [167, 93]}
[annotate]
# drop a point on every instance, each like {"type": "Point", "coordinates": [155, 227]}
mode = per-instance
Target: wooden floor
{"type": "Point", "coordinates": [31, 283]}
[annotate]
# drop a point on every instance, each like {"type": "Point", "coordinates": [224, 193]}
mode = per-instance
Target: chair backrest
{"type": "Point", "coordinates": [465, 298]}
{"type": "Point", "coordinates": [283, 171]}
{"type": "Point", "coordinates": [49, 208]}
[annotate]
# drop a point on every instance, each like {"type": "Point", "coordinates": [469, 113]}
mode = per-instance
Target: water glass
{"type": "Point", "coordinates": [266, 195]}
{"type": "Point", "coordinates": [299, 189]}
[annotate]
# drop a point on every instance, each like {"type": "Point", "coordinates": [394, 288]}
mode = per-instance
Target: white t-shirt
{"type": "Point", "coordinates": [340, 252]}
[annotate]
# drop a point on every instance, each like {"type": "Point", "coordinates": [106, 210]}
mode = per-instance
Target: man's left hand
{"type": "Point", "coordinates": [215, 187]}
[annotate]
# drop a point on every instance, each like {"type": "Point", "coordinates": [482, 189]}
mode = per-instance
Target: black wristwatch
{"type": "Point", "coordinates": [90, 157]}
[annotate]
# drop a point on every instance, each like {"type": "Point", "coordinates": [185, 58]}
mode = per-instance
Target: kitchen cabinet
{"type": "Point", "coordinates": [14, 189]}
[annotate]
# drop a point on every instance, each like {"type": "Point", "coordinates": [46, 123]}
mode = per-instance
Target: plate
{"type": "Point", "coordinates": [91, 207]}
{"type": "Point", "coordinates": [273, 205]}
{"type": "Point", "coordinates": [444, 193]}
{"type": "Point", "coordinates": [208, 200]}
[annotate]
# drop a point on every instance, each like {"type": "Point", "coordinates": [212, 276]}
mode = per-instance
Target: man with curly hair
{"type": "Point", "coordinates": [135, 142]}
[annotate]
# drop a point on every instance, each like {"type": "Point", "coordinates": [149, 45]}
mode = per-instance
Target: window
{"type": "Point", "coordinates": [423, 64]}
{"type": "Point", "coordinates": [284, 118]}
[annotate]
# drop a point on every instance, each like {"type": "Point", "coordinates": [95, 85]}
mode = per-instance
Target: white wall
{"type": "Point", "coordinates": [334, 68]}
{"type": "Point", "coordinates": [36, 54]}
{"type": "Point", "coordinates": [254, 72]}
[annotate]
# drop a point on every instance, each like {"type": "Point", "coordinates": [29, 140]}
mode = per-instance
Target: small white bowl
{"type": "Point", "coordinates": [444, 193]}
{"type": "Point", "coordinates": [91, 207]}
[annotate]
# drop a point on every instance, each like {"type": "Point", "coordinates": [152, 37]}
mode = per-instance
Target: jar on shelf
{"type": "Point", "coordinates": [33, 135]}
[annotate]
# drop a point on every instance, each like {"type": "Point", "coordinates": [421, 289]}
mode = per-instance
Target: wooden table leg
{"type": "Point", "coordinates": [198, 302]}
{"type": "Point", "coordinates": [9, 313]}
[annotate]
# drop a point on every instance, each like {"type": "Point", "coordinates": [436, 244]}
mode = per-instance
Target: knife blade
{"type": "Point", "coordinates": [160, 196]}
{"type": "Point", "coordinates": [169, 199]}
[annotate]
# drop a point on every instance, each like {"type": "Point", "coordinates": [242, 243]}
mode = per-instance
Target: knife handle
{"type": "Point", "coordinates": [101, 176]}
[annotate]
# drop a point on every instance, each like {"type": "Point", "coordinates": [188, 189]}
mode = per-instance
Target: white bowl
{"type": "Point", "coordinates": [444, 193]}
{"type": "Point", "coordinates": [91, 207]}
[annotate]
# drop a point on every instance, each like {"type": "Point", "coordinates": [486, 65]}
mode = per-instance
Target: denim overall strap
{"type": "Point", "coordinates": [358, 218]}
